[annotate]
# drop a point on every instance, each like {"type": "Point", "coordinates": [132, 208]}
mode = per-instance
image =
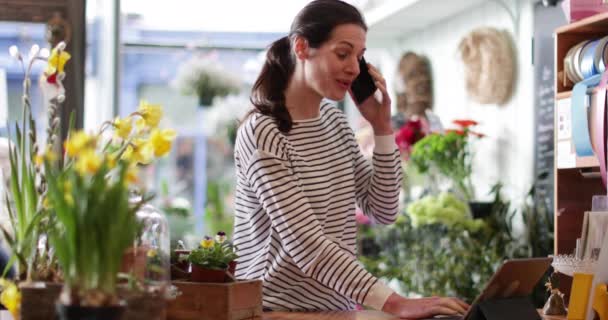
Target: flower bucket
{"type": "Point", "coordinates": [201, 274]}
{"type": "Point", "coordinates": [480, 209]}
{"type": "Point", "coordinates": [38, 300]}
{"type": "Point", "coordinates": [89, 313]}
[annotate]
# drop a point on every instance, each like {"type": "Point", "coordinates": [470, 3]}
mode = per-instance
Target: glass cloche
{"type": "Point", "coordinates": [151, 250]}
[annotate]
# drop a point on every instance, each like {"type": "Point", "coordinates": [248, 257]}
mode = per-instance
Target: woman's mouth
{"type": "Point", "coordinates": [344, 84]}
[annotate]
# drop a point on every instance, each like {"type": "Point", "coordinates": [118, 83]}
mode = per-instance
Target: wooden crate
{"type": "Point", "coordinates": [216, 301]}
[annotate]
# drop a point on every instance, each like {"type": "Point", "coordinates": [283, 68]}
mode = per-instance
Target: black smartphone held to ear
{"type": "Point", "coordinates": [364, 85]}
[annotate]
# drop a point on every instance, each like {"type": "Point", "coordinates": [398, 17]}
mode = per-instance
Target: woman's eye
{"type": "Point", "coordinates": [342, 56]}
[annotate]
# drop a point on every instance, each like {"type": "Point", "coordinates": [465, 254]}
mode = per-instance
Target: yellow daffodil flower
{"type": "Point", "coordinates": [88, 162]}
{"type": "Point", "coordinates": [10, 297]}
{"type": "Point", "coordinates": [139, 151]}
{"type": "Point", "coordinates": [151, 113]}
{"type": "Point", "coordinates": [207, 243]}
{"type": "Point", "coordinates": [78, 142]}
{"type": "Point", "coordinates": [132, 174]}
{"type": "Point", "coordinates": [123, 127]}
{"type": "Point", "coordinates": [161, 141]}
{"type": "Point", "coordinates": [57, 61]}
{"type": "Point", "coordinates": [39, 159]}
{"type": "Point", "coordinates": [152, 253]}
{"type": "Point", "coordinates": [140, 126]}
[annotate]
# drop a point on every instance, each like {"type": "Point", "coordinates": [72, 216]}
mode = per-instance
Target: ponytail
{"type": "Point", "coordinates": [268, 92]}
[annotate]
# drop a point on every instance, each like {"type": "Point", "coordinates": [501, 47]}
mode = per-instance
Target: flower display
{"type": "Point", "coordinates": [205, 78]}
{"type": "Point", "coordinates": [411, 132]}
{"type": "Point", "coordinates": [448, 154]}
{"type": "Point", "coordinates": [213, 254]}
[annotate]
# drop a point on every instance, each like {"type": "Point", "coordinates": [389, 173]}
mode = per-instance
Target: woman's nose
{"type": "Point", "coordinates": [353, 66]}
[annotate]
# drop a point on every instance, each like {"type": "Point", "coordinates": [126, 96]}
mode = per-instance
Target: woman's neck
{"type": "Point", "coordinates": [302, 102]}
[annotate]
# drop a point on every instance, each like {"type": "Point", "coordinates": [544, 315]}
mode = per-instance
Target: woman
{"type": "Point", "coordinates": [300, 173]}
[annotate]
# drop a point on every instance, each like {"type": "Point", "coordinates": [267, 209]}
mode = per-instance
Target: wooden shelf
{"type": "Point", "coordinates": [574, 187]}
{"type": "Point", "coordinates": [589, 24]}
{"type": "Point", "coordinates": [567, 36]}
{"type": "Point", "coordinates": [584, 162]}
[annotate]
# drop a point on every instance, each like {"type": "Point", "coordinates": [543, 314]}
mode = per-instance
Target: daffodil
{"type": "Point", "coordinates": [123, 127]}
{"type": "Point", "coordinates": [138, 151]}
{"type": "Point", "coordinates": [161, 141]}
{"type": "Point", "coordinates": [152, 253]}
{"type": "Point", "coordinates": [151, 113]}
{"type": "Point", "coordinates": [220, 237]}
{"type": "Point", "coordinates": [10, 297]}
{"type": "Point", "coordinates": [207, 242]}
{"type": "Point", "coordinates": [78, 142]}
{"type": "Point", "coordinates": [132, 174]}
{"type": "Point", "coordinates": [39, 159]}
{"type": "Point", "coordinates": [88, 162]}
{"type": "Point", "coordinates": [56, 64]}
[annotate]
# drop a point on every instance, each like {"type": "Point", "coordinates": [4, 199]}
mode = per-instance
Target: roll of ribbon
{"type": "Point", "coordinates": [587, 59]}
{"type": "Point", "coordinates": [576, 61]}
{"type": "Point", "coordinates": [570, 61]}
{"type": "Point", "coordinates": [601, 52]}
{"type": "Point", "coordinates": [580, 118]}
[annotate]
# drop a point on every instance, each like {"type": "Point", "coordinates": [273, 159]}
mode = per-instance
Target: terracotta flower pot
{"type": "Point", "coordinates": [201, 274]}
{"type": "Point", "coordinates": [232, 267]}
{"type": "Point", "coordinates": [38, 300]}
{"type": "Point", "coordinates": [89, 313]}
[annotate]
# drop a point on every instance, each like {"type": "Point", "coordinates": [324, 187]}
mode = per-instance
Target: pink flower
{"type": "Point", "coordinates": [361, 218]}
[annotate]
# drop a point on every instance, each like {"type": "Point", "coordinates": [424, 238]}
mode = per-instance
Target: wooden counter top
{"type": "Point", "coordinates": [346, 315]}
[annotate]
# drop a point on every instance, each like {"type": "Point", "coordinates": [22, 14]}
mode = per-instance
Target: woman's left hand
{"type": "Point", "coordinates": [378, 113]}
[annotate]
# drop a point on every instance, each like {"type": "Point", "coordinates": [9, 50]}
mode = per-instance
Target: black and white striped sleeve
{"type": "Point", "coordinates": [274, 183]}
{"type": "Point", "coordinates": [378, 185]}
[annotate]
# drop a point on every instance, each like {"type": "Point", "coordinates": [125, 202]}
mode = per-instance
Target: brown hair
{"type": "Point", "coordinates": [314, 22]}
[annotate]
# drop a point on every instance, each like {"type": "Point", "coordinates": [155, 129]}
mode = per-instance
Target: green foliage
{"type": "Point", "coordinates": [96, 223]}
{"type": "Point", "coordinates": [445, 209]}
{"type": "Point", "coordinates": [447, 154]}
{"type": "Point", "coordinates": [441, 257]}
{"type": "Point", "coordinates": [216, 256]}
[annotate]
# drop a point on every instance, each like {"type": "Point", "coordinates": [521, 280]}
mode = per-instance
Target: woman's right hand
{"type": "Point", "coordinates": [423, 307]}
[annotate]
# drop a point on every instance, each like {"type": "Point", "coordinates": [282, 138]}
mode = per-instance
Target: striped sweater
{"type": "Point", "coordinates": [295, 223]}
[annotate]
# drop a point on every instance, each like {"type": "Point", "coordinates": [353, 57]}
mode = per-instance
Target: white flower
{"type": "Point", "coordinates": [44, 53]}
{"type": "Point", "coordinates": [60, 46]}
{"type": "Point", "coordinates": [34, 50]}
{"type": "Point", "coordinates": [14, 52]}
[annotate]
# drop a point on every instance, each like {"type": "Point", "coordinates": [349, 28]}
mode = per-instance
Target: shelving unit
{"type": "Point", "coordinates": [574, 186]}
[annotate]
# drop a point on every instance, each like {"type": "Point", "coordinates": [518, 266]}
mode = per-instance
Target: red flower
{"type": "Point", "coordinates": [456, 131]}
{"type": "Point", "coordinates": [409, 134]}
{"type": "Point", "coordinates": [465, 123]}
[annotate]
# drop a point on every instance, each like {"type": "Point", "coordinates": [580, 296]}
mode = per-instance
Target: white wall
{"type": "Point", "coordinates": [506, 154]}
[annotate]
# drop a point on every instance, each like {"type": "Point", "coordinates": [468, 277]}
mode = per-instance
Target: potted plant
{"type": "Point", "coordinates": [95, 219]}
{"type": "Point", "coordinates": [212, 259]}
{"type": "Point", "coordinates": [30, 220]}
{"type": "Point", "coordinates": [205, 78]}
{"type": "Point", "coordinates": [449, 155]}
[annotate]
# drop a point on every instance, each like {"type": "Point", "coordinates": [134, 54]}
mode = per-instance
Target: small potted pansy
{"type": "Point", "coordinates": [211, 260]}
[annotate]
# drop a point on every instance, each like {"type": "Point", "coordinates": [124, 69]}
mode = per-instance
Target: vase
{"type": "Point", "coordinates": [38, 300]}
{"type": "Point", "coordinates": [480, 209]}
{"type": "Point", "coordinates": [89, 313]}
{"type": "Point", "coordinates": [201, 274]}
{"type": "Point", "coordinates": [204, 101]}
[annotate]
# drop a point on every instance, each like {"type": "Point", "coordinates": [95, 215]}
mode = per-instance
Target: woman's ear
{"type": "Point", "coordinates": [300, 47]}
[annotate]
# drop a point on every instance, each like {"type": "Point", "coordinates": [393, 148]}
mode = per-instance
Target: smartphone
{"type": "Point", "coordinates": [363, 86]}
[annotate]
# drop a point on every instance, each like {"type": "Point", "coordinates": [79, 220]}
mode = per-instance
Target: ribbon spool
{"type": "Point", "coordinates": [586, 59]}
{"type": "Point", "coordinates": [601, 55]}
